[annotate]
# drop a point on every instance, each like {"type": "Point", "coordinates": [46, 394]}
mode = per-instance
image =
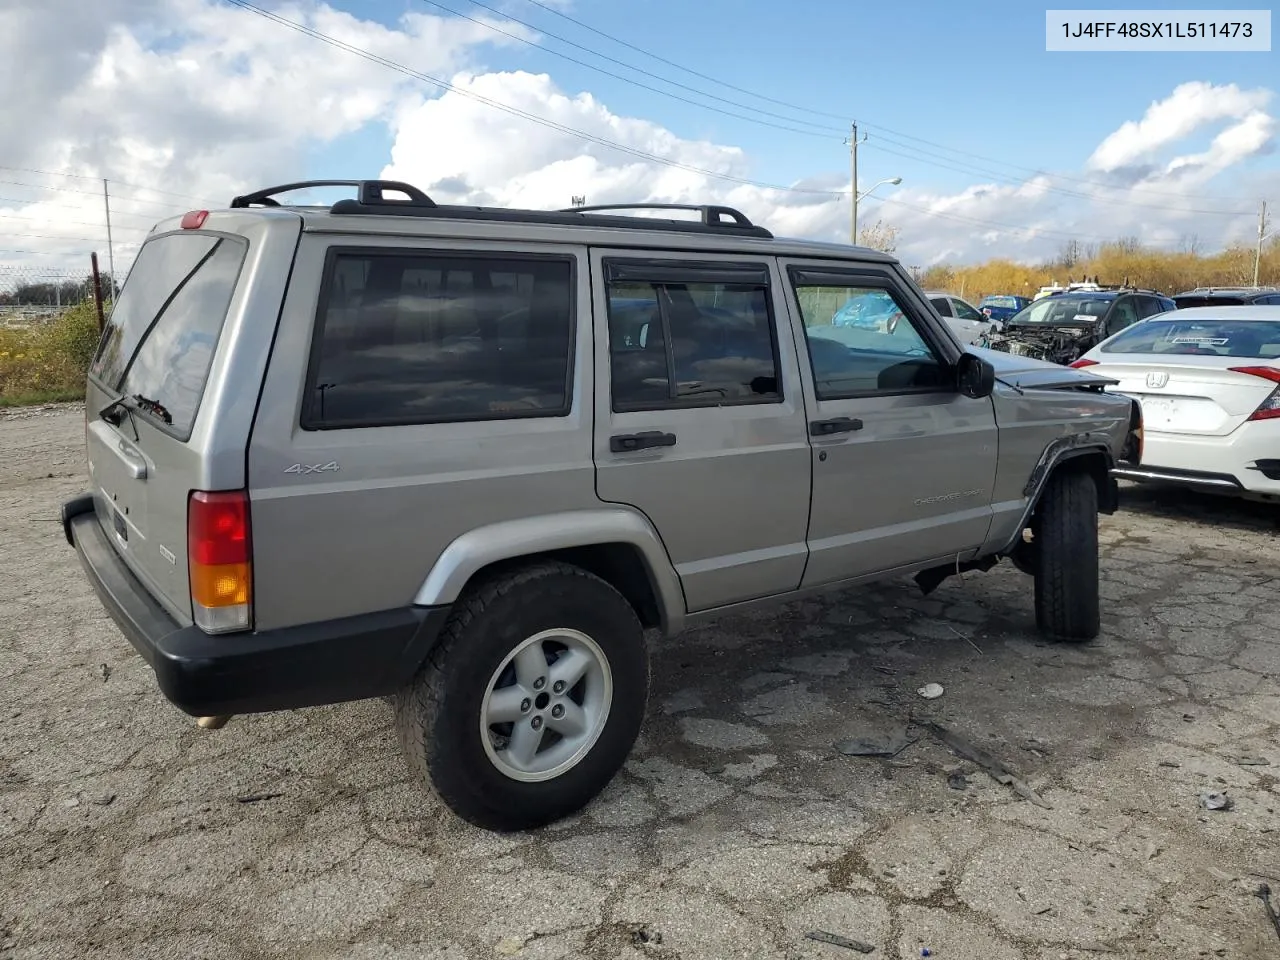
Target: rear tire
{"type": "Point", "coordinates": [497, 657]}
{"type": "Point", "coordinates": [1065, 532]}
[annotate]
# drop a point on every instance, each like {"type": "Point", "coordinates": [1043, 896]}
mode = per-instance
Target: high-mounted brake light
{"type": "Point", "coordinates": [220, 561]}
{"type": "Point", "coordinates": [194, 219]}
{"type": "Point", "coordinates": [1269, 409]}
{"type": "Point", "coordinates": [1082, 362]}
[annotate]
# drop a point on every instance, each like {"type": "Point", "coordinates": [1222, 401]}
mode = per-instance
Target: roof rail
{"type": "Point", "coordinates": [714, 219]}
{"type": "Point", "coordinates": [370, 193]}
{"type": "Point", "coordinates": [712, 214]}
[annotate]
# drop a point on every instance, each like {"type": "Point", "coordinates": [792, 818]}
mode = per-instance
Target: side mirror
{"type": "Point", "coordinates": [975, 377]}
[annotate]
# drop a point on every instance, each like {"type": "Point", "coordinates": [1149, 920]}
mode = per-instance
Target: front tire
{"type": "Point", "coordinates": [532, 699]}
{"type": "Point", "coordinates": [1065, 532]}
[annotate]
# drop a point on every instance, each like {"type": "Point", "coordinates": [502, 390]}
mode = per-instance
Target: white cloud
{"type": "Point", "coordinates": [194, 97]}
{"type": "Point", "coordinates": [1190, 107]}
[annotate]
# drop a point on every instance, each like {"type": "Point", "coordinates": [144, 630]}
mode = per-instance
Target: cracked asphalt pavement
{"type": "Point", "coordinates": [736, 827]}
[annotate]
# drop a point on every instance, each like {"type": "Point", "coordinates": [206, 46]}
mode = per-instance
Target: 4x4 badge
{"type": "Point", "coordinates": [313, 467]}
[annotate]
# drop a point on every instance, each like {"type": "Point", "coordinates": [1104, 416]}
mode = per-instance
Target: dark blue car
{"type": "Point", "coordinates": [1001, 308]}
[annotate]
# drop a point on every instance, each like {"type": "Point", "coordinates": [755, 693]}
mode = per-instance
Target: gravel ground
{"type": "Point", "coordinates": [736, 828]}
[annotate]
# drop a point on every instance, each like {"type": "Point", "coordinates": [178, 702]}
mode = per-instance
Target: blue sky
{"type": "Point", "coordinates": [968, 77]}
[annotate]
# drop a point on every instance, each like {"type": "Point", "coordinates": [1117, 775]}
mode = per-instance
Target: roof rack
{"type": "Point", "coordinates": [371, 200]}
{"type": "Point", "coordinates": [1231, 288]}
{"type": "Point", "coordinates": [712, 215]}
{"type": "Point", "coordinates": [370, 193]}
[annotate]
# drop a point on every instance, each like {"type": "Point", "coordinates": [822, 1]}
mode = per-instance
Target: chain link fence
{"type": "Point", "coordinates": [33, 294]}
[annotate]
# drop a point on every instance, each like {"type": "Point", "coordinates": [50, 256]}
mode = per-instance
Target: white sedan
{"type": "Point", "coordinates": [1208, 381]}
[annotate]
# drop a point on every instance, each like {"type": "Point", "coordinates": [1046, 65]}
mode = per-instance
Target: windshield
{"type": "Point", "coordinates": [1004, 302]}
{"type": "Point", "coordinates": [1252, 339]}
{"type": "Point", "coordinates": [1062, 311]}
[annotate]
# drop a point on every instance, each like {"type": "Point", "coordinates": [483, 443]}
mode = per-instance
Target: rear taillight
{"type": "Point", "coordinates": [220, 561]}
{"type": "Point", "coordinates": [1082, 362]}
{"type": "Point", "coordinates": [1269, 409]}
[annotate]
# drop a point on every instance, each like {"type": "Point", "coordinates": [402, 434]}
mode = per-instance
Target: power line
{"type": "Point", "coordinates": [514, 111]}
{"type": "Point", "coordinates": [829, 134]}
{"type": "Point", "coordinates": [1007, 180]}
{"type": "Point", "coordinates": [88, 193]}
{"type": "Point", "coordinates": [794, 106]}
{"type": "Point", "coordinates": [120, 183]}
{"type": "Point", "coordinates": [961, 218]}
{"type": "Point", "coordinates": [688, 70]}
{"type": "Point", "coordinates": [77, 223]}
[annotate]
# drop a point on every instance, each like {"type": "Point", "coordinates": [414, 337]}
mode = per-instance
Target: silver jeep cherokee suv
{"type": "Point", "coordinates": [464, 457]}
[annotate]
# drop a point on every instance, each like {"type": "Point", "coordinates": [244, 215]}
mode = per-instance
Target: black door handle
{"type": "Point", "coordinates": [626, 442]}
{"type": "Point", "coordinates": [823, 428]}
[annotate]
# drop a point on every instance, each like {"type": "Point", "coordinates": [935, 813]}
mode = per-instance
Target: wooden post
{"type": "Point", "coordinates": [97, 291]}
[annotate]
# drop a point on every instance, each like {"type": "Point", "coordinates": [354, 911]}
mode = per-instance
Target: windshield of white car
{"type": "Point", "coordinates": [1061, 311]}
{"type": "Point", "coordinates": [1252, 339]}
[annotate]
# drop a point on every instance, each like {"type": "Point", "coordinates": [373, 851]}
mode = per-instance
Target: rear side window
{"type": "Point", "coordinates": [407, 338]}
{"type": "Point", "coordinates": [683, 335]}
{"type": "Point", "coordinates": [160, 340]}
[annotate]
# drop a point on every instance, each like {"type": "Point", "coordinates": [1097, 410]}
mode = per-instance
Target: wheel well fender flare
{"type": "Point", "coordinates": [1088, 452]}
{"type": "Point", "coordinates": [529, 538]}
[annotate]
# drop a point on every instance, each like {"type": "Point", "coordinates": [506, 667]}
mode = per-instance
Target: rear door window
{"type": "Point", "coordinates": [414, 337]}
{"type": "Point", "coordinates": [159, 343]}
{"type": "Point", "coordinates": [942, 305]}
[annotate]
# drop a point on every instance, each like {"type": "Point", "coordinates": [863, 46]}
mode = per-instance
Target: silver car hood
{"type": "Point", "coordinates": [1026, 373]}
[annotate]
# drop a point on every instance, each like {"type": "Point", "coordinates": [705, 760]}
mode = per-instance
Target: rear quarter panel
{"type": "Point", "coordinates": [361, 538]}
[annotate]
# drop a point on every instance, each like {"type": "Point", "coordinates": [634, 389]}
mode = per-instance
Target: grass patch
{"type": "Point", "coordinates": [39, 397]}
{"type": "Point", "coordinates": [49, 362]}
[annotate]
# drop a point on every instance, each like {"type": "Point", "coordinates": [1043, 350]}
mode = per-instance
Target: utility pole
{"type": "Point", "coordinates": [1262, 235]}
{"type": "Point", "coordinates": [111, 257]}
{"type": "Point", "coordinates": [853, 193]}
{"type": "Point", "coordinates": [578, 201]}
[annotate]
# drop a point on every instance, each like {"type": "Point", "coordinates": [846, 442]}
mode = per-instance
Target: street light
{"type": "Point", "coordinates": [892, 181]}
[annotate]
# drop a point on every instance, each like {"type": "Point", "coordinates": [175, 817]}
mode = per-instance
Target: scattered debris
{"type": "Point", "coordinates": [1263, 893]}
{"type": "Point", "coordinates": [888, 743]}
{"type": "Point", "coordinates": [835, 940]}
{"type": "Point", "coordinates": [930, 691]}
{"type": "Point", "coordinates": [212, 723]}
{"type": "Point", "coordinates": [258, 797]}
{"type": "Point", "coordinates": [106, 673]}
{"type": "Point", "coordinates": [642, 935]}
{"type": "Point", "coordinates": [1215, 800]}
{"type": "Point", "coordinates": [926, 952]}
{"type": "Point", "coordinates": [509, 946]}
{"type": "Point", "coordinates": [71, 802]}
{"type": "Point", "coordinates": [1094, 946]}
{"type": "Point", "coordinates": [1251, 761]}
{"type": "Point", "coordinates": [957, 781]}
{"type": "Point", "coordinates": [1041, 912]}
{"type": "Point", "coordinates": [1173, 764]}
{"type": "Point", "coordinates": [998, 771]}
{"type": "Point", "coordinates": [104, 799]}
{"type": "Point", "coordinates": [964, 638]}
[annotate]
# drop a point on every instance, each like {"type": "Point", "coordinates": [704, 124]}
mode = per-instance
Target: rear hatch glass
{"type": "Point", "coordinates": [155, 357]}
{"type": "Point", "coordinates": [159, 342]}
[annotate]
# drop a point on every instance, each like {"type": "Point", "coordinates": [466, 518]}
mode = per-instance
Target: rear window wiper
{"type": "Point", "coordinates": [125, 404]}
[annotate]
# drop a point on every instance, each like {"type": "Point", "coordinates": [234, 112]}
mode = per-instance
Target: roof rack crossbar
{"type": "Point", "coordinates": [712, 215]}
{"type": "Point", "coordinates": [370, 193]}
{"type": "Point", "coordinates": [714, 219]}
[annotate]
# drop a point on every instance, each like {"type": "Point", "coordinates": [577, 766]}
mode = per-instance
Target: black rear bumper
{"type": "Point", "coordinates": [319, 663]}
